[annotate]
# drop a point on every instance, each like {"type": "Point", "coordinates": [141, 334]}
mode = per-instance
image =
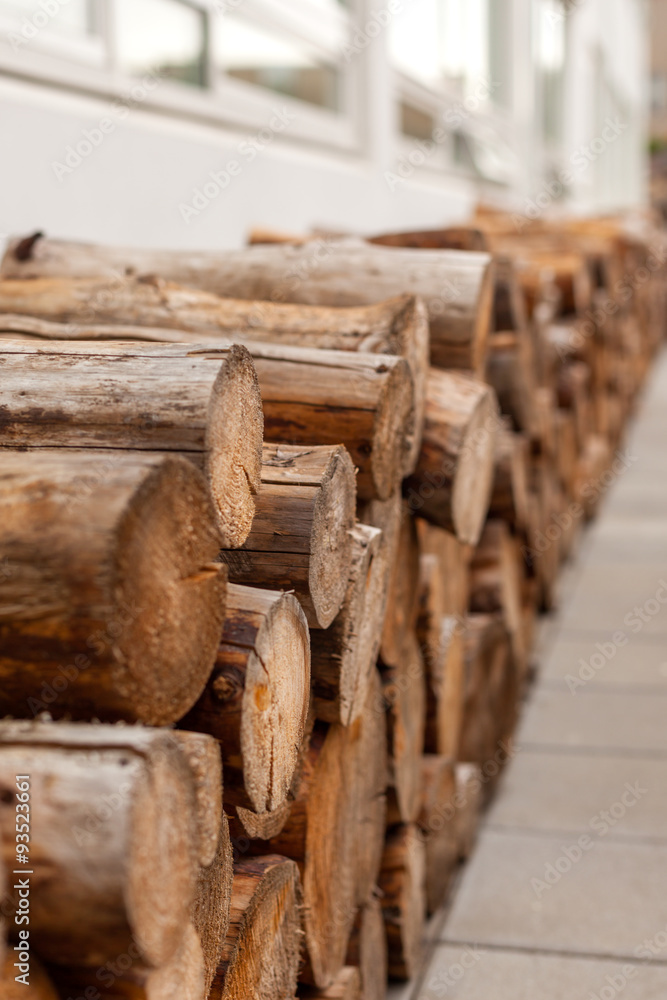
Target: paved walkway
{"type": "Point", "coordinates": [566, 892]}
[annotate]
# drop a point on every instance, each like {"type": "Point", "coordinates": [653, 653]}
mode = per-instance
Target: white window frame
{"type": "Point", "coordinates": [223, 101]}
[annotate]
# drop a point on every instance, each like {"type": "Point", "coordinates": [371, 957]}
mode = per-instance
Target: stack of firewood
{"type": "Point", "coordinates": [275, 525]}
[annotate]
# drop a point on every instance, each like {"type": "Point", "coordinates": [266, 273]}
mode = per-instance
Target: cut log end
{"type": "Point", "coordinates": [175, 593]}
{"type": "Point", "coordinates": [234, 436]}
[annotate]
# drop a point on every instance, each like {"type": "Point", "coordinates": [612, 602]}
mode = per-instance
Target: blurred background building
{"type": "Point", "coordinates": [186, 122]}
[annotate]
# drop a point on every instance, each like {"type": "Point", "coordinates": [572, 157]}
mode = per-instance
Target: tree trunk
{"type": "Point", "coordinates": [346, 986]}
{"type": "Point", "coordinates": [405, 695]}
{"type": "Point", "coordinates": [458, 287]}
{"type": "Point", "coordinates": [404, 900]}
{"type": "Point", "coordinates": [147, 397]}
{"type": "Point", "coordinates": [93, 307]}
{"type": "Point", "coordinates": [437, 823]}
{"type": "Point", "coordinates": [256, 699]}
{"type": "Point", "coordinates": [300, 538]}
{"type": "Point", "coordinates": [452, 484]}
{"type": "Point", "coordinates": [367, 950]}
{"type": "Point", "coordinates": [211, 908]}
{"type": "Point", "coordinates": [343, 656]}
{"type": "Point", "coordinates": [260, 957]}
{"type": "Point", "coordinates": [181, 978]}
{"type": "Point", "coordinates": [112, 602]}
{"type": "Point", "coordinates": [113, 839]}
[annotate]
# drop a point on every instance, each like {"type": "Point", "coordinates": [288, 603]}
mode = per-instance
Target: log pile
{"type": "Point", "coordinates": [276, 527]}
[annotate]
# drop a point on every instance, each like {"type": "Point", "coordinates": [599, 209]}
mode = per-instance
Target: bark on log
{"type": "Point", "coordinates": [147, 397]}
{"type": "Point", "coordinates": [405, 695]}
{"type": "Point", "coordinates": [261, 953]}
{"type": "Point", "coordinates": [404, 900]}
{"type": "Point", "coordinates": [113, 839]}
{"type": "Point", "coordinates": [436, 821]}
{"type": "Point", "coordinates": [301, 534]}
{"type": "Point", "coordinates": [452, 484]}
{"type": "Point", "coordinates": [92, 307]}
{"type": "Point", "coordinates": [181, 978]}
{"type": "Point", "coordinates": [457, 286]}
{"type": "Point", "coordinates": [367, 950]}
{"type": "Point", "coordinates": [343, 656]}
{"type": "Point", "coordinates": [256, 699]}
{"type": "Point", "coordinates": [211, 908]}
{"type": "Point", "coordinates": [346, 986]}
{"type": "Point", "coordinates": [402, 599]}
{"type": "Point", "coordinates": [112, 602]}
{"type": "Point", "coordinates": [37, 985]}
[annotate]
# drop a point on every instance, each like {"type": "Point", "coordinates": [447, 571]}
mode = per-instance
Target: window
{"type": "Point", "coordinates": [549, 51]}
{"type": "Point", "coordinates": [177, 51]}
{"type": "Point", "coordinates": [74, 19]}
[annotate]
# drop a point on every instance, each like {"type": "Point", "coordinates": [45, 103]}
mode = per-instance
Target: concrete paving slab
{"type": "Point", "coordinates": [640, 664]}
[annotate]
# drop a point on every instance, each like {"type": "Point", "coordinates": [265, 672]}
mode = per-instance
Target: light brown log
{"type": "Point", "coordinates": [261, 953]}
{"type": "Point", "coordinates": [385, 515]}
{"type": "Point", "coordinates": [469, 788]}
{"type": "Point", "coordinates": [36, 986]}
{"type": "Point", "coordinates": [246, 823]}
{"type": "Point", "coordinates": [301, 534]}
{"type": "Point", "coordinates": [509, 497]}
{"type": "Point", "coordinates": [335, 833]}
{"type": "Point", "coordinates": [450, 238]}
{"type": "Point", "coordinates": [346, 986]}
{"type": "Point", "coordinates": [112, 603]}
{"type": "Point", "coordinates": [445, 675]}
{"type": "Point", "coordinates": [147, 397]}
{"type": "Point", "coordinates": [491, 688]}
{"type": "Point", "coordinates": [367, 950]}
{"type": "Point", "coordinates": [436, 821]}
{"type": "Point", "coordinates": [454, 561]}
{"type": "Point", "coordinates": [404, 900]}
{"type": "Point", "coordinates": [203, 756]}
{"type": "Point", "coordinates": [113, 839]}
{"type": "Point", "coordinates": [452, 484]}
{"type": "Point", "coordinates": [343, 656]}
{"type": "Point", "coordinates": [362, 400]}
{"type": "Point", "coordinates": [211, 907]}
{"type": "Point", "coordinates": [509, 370]}
{"type": "Point", "coordinates": [256, 699]}
{"type": "Point", "coordinates": [403, 595]}
{"type": "Point", "coordinates": [457, 286]}
{"type": "Point", "coordinates": [180, 978]}
{"type": "Point", "coordinates": [496, 572]}
{"type": "Point", "coordinates": [405, 693]}
{"type": "Point", "coordinates": [92, 307]}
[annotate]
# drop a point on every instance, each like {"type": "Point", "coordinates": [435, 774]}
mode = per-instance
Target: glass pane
{"type": "Point", "coordinates": [162, 36]}
{"type": "Point", "coordinates": [73, 19]}
{"type": "Point", "coordinates": [249, 53]}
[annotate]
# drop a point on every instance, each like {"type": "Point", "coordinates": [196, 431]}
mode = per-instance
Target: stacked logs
{"type": "Point", "coordinates": [271, 553]}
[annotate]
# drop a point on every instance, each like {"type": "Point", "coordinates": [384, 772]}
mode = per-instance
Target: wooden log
{"type": "Point", "coordinates": [403, 595]}
{"type": "Point", "coordinates": [37, 985]}
{"type": "Point", "coordinates": [203, 756]}
{"type": "Point", "coordinates": [404, 900]}
{"type": "Point", "coordinates": [510, 372]}
{"type": "Point", "coordinates": [261, 953]}
{"type": "Point", "coordinates": [211, 907]}
{"type": "Point", "coordinates": [113, 839]}
{"type": "Point", "coordinates": [445, 677]}
{"type": "Point", "coordinates": [452, 484]}
{"type": "Point", "coordinates": [256, 699]}
{"type": "Point", "coordinates": [370, 768]}
{"type": "Point", "coordinates": [367, 950]}
{"type": "Point", "coordinates": [180, 978]}
{"type": "Point", "coordinates": [437, 824]}
{"type": "Point", "coordinates": [496, 573]}
{"type": "Point", "coordinates": [405, 694]}
{"type": "Point", "coordinates": [112, 603]}
{"type": "Point", "coordinates": [491, 688]}
{"type": "Point", "coordinates": [449, 238]}
{"type": "Point", "coordinates": [301, 534]}
{"type": "Point", "coordinates": [147, 397]}
{"type": "Point", "coordinates": [509, 496]}
{"type": "Point", "coordinates": [457, 287]}
{"type": "Point", "coordinates": [469, 796]}
{"type": "Point", "coordinates": [454, 562]}
{"type": "Point", "coordinates": [92, 307]}
{"type": "Point", "coordinates": [346, 986]}
{"type": "Point", "coordinates": [343, 656]}
{"type": "Point", "coordinates": [246, 824]}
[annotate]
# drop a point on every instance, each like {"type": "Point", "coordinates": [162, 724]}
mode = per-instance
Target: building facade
{"type": "Point", "coordinates": [187, 122]}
